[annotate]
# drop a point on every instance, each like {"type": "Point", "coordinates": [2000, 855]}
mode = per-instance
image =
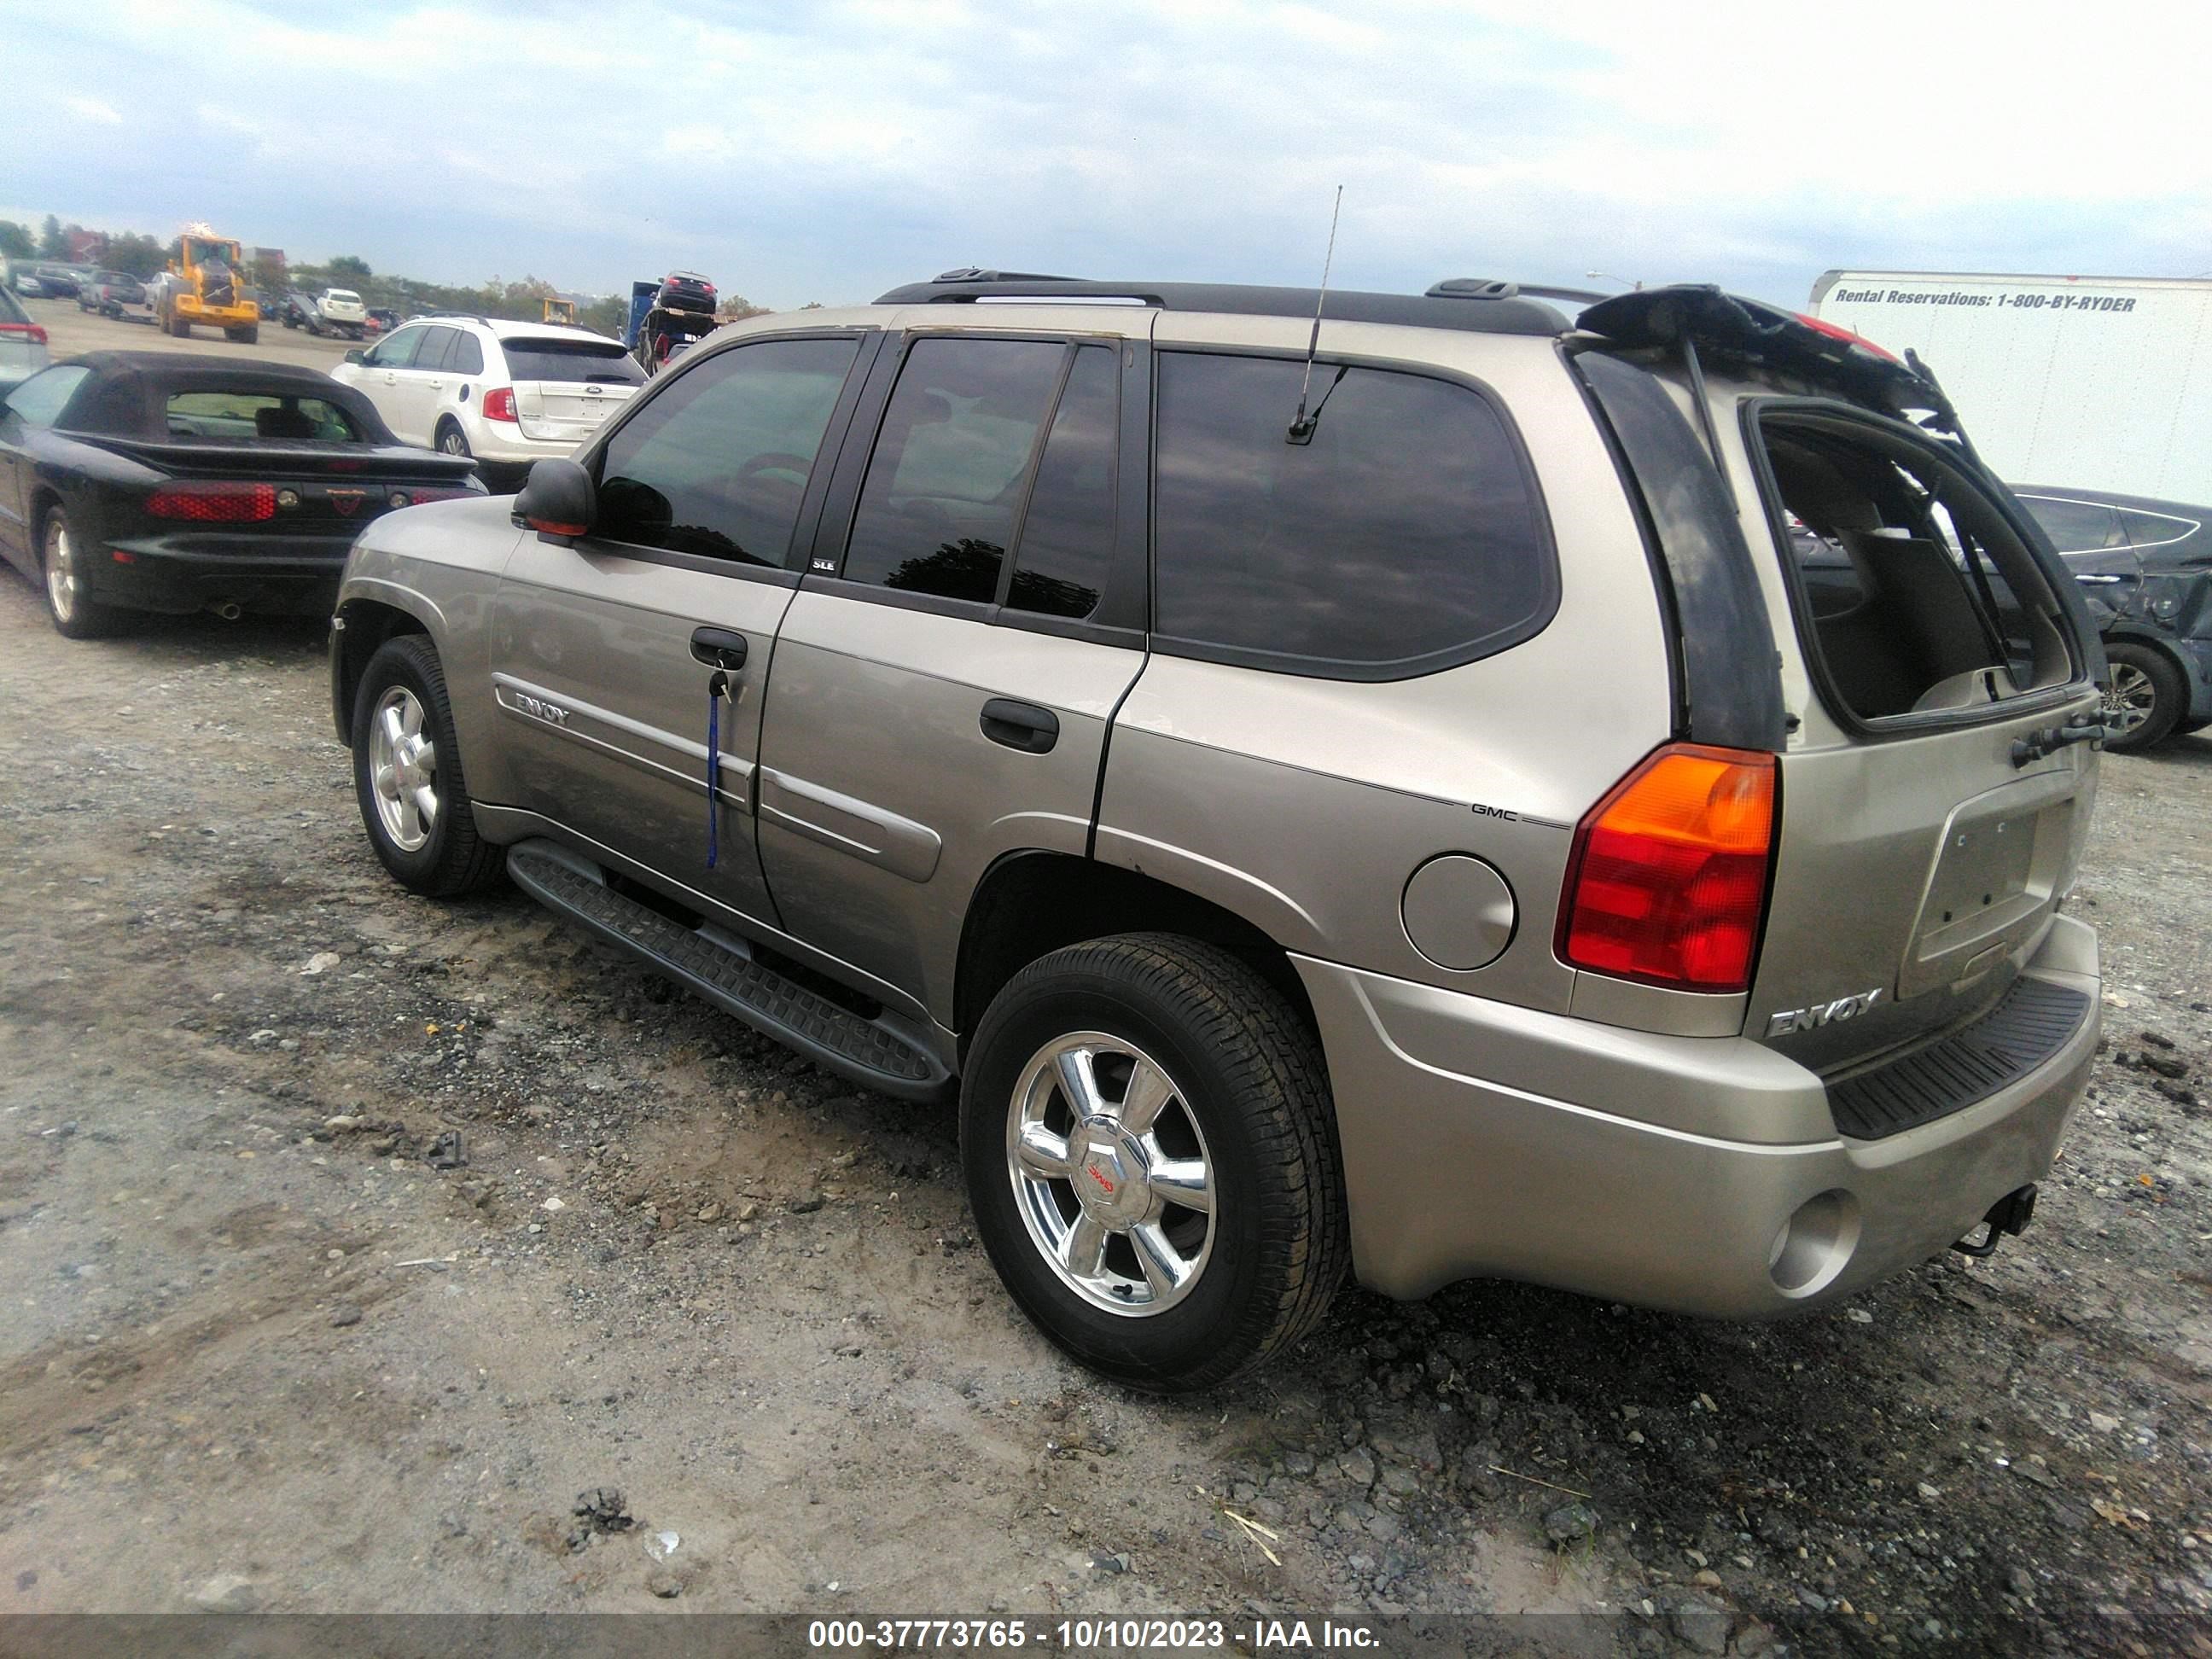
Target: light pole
{"type": "Point", "coordinates": [1607, 276]}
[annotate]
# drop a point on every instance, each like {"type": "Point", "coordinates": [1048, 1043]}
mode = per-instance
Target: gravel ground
{"type": "Point", "coordinates": [70, 331]}
{"type": "Point", "coordinates": [358, 1252]}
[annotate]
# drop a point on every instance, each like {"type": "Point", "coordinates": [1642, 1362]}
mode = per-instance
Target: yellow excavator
{"type": "Point", "coordinates": [206, 284]}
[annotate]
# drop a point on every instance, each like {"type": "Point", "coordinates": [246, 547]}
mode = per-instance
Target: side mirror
{"type": "Point", "coordinates": [558, 501]}
{"type": "Point", "coordinates": [356, 356]}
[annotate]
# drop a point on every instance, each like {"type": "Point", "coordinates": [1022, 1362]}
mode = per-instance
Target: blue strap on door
{"type": "Point", "coordinates": [716, 688]}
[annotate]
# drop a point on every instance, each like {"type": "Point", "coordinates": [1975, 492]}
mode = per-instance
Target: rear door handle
{"type": "Point", "coordinates": [1022, 725]}
{"type": "Point", "coordinates": [719, 647]}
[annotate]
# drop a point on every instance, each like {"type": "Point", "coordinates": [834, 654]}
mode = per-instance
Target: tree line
{"type": "Point", "coordinates": [521, 301]}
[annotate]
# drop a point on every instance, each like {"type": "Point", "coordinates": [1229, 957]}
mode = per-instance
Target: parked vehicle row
{"type": "Point", "coordinates": [1182, 744]}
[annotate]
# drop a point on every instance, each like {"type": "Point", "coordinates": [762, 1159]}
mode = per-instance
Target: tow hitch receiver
{"type": "Point", "coordinates": [2009, 1214]}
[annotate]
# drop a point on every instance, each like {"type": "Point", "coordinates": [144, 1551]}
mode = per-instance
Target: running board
{"type": "Point", "coordinates": [720, 966]}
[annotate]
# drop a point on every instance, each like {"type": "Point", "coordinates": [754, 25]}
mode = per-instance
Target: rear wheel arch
{"type": "Point", "coordinates": [368, 624]}
{"type": "Point", "coordinates": [1028, 904]}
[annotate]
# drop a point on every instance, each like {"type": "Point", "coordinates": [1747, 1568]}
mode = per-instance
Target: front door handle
{"type": "Point", "coordinates": [719, 647]}
{"type": "Point", "coordinates": [1022, 725]}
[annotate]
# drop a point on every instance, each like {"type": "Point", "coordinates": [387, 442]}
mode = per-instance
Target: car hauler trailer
{"type": "Point", "coordinates": [2096, 382]}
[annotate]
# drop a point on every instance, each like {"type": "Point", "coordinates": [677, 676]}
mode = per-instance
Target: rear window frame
{"type": "Point", "coordinates": [2084, 647]}
{"type": "Point", "coordinates": [1305, 667]}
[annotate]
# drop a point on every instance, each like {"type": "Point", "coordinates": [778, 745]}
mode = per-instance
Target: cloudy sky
{"type": "Point", "coordinates": [798, 152]}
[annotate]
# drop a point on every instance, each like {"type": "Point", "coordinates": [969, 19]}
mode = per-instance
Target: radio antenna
{"type": "Point", "coordinates": [1302, 425]}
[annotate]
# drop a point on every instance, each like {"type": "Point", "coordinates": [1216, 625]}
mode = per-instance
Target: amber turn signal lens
{"type": "Point", "coordinates": [1666, 884]}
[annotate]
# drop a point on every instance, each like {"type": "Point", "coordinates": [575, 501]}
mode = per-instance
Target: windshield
{"type": "Point", "coordinates": [594, 362]}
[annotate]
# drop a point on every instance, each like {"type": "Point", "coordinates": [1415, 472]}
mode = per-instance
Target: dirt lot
{"type": "Point", "coordinates": [261, 1347]}
{"type": "Point", "coordinates": [69, 332]}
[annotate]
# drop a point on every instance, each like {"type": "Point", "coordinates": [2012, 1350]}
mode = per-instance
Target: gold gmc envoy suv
{"type": "Point", "coordinates": [1362, 789]}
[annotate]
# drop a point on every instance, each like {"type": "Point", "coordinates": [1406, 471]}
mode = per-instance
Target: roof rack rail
{"type": "Point", "coordinates": [466, 316]}
{"type": "Point", "coordinates": [972, 274]}
{"type": "Point", "coordinates": [1477, 288]}
{"type": "Point", "coordinates": [1506, 311]}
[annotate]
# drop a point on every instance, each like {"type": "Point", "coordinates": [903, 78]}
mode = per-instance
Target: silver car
{"type": "Point", "coordinates": [22, 343]}
{"type": "Point", "coordinates": [1376, 799]}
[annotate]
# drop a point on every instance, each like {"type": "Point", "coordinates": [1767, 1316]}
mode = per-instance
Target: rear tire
{"type": "Point", "coordinates": [75, 613]}
{"type": "Point", "coordinates": [180, 328]}
{"type": "Point", "coordinates": [1199, 1082]}
{"type": "Point", "coordinates": [407, 775]}
{"type": "Point", "coordinates": [2148, 698]}
{"type": "Point", "coordinates": [250, 335]}
{"type": "Point", "coordinates": [452, 441]}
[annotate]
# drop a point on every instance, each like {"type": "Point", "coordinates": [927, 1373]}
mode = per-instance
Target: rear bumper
{"type": "Point", "coordinates": [293, 575]}
{"type": "Point", "coordinates": [503, 444]}
{"type": "Point", "coordinates": [1468, 1152]}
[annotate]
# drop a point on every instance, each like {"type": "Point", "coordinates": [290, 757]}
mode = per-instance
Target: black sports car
{"type": "Point", "coordinates": [153, 481]}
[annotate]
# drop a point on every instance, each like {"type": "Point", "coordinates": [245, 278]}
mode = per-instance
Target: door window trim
{"type": "Point", "coordinates": [787, 575]}
{"type": "Point", "coordinates": [1329, 668]}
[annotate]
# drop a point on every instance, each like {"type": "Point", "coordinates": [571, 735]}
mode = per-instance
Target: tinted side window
{"type": "Point", "coordinates": [431, 354]}
{"type": "Point", "coordinates": [2154, 528]}
{"type": "Point", "coordinates": [466, 355]}
{"type": "Point", "coordinates": [2075, 526]}
{"type": "Point", "coordinates": [398, 351]}
{"type": "Point", "coordinates": [937, 506]}
{"type": "Point", "coordinates": [1068, 534]}
{"type": "Point", "coordinates": [1406, 528]}
{"type": "Point", "coordinates": [717, 463]}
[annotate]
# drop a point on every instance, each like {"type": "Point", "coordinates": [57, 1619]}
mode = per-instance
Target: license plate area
{"type": "Point", "coordinates": [1992, 883]}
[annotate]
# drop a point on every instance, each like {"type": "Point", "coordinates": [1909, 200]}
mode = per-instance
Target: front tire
{"type": "Point", "coordinates": [250, 335]}
{"type": "Point", "coordinates": [407, 775]}
{"type": "Point", "coordinates": [1151, 1158]}
{"type": "Point", "coordinates": [74, 612]}
{"type": "Point", "coordinates": [2147, 699]}
{"type": "Point", "coordinates": [180, 328]}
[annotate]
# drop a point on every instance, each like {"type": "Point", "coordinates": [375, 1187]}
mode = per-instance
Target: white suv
{"type": "Point", "coordinates": [507, 393]}
{"type": "Point", "coordinates": [343, 310]}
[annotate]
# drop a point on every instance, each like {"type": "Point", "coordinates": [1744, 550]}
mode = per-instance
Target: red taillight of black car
{"type": "Point", "coordinates": [214, 503]}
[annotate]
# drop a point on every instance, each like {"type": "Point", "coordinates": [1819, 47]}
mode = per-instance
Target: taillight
{"type": "Point", "coordinates": [214, 503]}
{"type": "Point", "coordinates": [34, 332]}
{"type": "Point", "coordinates": [1667, 880]}
{"type": "Point", "coordinates": [499, 403]}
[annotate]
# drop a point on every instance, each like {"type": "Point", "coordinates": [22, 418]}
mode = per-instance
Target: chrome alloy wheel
{"type": "Point", "coordinates": [1111, 1173]}
{"type": "Point", "coordinates": [402, 769]}
{"type": "Point", "coordinates": [61, 584]}
{"type": "Point", "coordinates": [2131, 701]}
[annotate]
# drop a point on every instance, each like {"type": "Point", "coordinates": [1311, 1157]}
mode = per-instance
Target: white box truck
{"type": "Point", "coordinates": [2091, 382]}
